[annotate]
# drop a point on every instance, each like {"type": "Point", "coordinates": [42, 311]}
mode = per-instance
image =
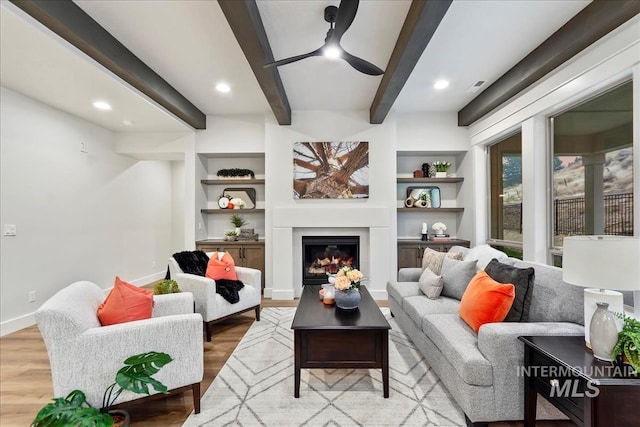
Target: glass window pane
{"type": "Point", "coordinates": [593, 167]}
{"type": "Point", "coordinates": [506, 189]}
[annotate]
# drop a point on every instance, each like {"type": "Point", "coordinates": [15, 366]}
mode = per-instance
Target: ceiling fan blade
{"type": "Point", "coordinates": [361, 65]}
{"type": "Point", "coordinates": [316, 52]}
{"type": "Point", "coordinates": [345, 16]}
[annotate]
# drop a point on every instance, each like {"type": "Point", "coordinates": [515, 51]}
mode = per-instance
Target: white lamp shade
{"type": "Point", "coordinates": [604, 262]}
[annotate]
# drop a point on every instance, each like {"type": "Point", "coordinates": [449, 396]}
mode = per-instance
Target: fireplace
{"type": "Point", "coordinates": [322, 255]}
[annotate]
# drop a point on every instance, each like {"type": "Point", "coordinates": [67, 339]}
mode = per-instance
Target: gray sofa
{"type": "Point", "coordinates": [481, 371]}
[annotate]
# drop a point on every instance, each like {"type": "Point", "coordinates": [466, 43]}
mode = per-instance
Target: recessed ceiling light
{"type": "Point", "coordinates": [331, 52]}
{"type": "Point", "coordinates": [127, 122]}
{"type": "Point", "coordinates": [441, 84]}
{"type": "Point", "coordinates": [223, 87]}
{"type": "Point", "coordinates": [102, 105]}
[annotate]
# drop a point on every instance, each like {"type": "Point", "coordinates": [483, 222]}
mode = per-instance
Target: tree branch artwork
{"type": "Point", "coordinates": [331, 170]}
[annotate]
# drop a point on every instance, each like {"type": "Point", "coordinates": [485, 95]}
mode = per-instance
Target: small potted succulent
{"type": "Point", "coordinates": [74, 410]}
{"type": "Point", "coordinates": [230, 235]}
{"type": "Point", "coordinates": [166, 287]}
{"type": "Point", "coordinates": [628, 345]}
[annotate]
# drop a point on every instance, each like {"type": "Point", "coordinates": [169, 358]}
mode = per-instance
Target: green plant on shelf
{"type": "Point", "coordinates": [166, 287]}
{"type": "Point", "coordinates": [237, 221]}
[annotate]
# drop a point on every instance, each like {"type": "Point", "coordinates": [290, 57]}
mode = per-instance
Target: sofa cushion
{"type": "Point", "coordinates": [400, 290]}
{"type": "Point", "coordinates": [419, 306]}
{"type": "Point", "coordinates": [552, 299]}
{"type": "Point", "coordinates": [459, 344]}
{"type": "Point", "coordinates": [456, 276]}
{"type": "Point", "coordinates": [430, 283]}
{"type": "Point", "coordinates": [485, 301]}
{"type": "Point", "coordinates": [125, 303]}
{"type": "Point", "coordinates": [433, 259]}
{"type": "Point", "coordinates": [522, 279]}
{"type": "Point", "coordinates": [483, 254]}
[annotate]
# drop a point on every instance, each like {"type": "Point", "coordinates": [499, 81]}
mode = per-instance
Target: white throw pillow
{"type": "Point", "coordinates": [484, 254]}
{"type": "Point", "coordinates": [430, 284]}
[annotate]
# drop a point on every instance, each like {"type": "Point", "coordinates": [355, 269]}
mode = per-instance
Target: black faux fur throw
{"type": "Point", "coordinates": [229, 289]}
{"type": "Point", "coordinates": [191, 262]}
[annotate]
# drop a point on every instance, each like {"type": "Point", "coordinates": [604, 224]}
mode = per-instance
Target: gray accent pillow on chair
{"type": "Point", "coordinates": [522, 279]}
{"type": "Point", "coordinates": [456, 276]}
{"type": "Point", "coordinates": [430, 284]}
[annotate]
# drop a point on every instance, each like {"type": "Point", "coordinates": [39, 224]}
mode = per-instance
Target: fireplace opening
{"type": "Point", "coordinates": [322, 255]}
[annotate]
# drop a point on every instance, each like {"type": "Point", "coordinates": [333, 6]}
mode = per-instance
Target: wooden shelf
{"type": "Point", "coordinates": [430, 209]}
{"type": "Point", "coordinates": [429, 180]}
{"type": "Point", "coordinates": [231, 211]}
{"type": "Point", "coordinates": [231, 181]}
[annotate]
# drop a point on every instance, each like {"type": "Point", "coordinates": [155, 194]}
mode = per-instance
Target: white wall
{"type": "Point", "coordinates": [178, 210]}
{"type": "Point", "coordinates": [79, 216]}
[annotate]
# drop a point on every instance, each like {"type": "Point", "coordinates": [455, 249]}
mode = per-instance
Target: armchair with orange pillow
{"type": "Point", "coordinates": [84, 353]}
{"type": "Point", "coordinates": [213, 302]}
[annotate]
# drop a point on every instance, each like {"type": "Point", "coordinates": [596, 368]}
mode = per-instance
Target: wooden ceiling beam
{"type": "Point", "coordinates": [245, 21]}
{"type": "Point", "coordinates": [593, 22]}
{"type": "Point", "coordinates": [70, 22]}
{"type": "Point", "coordinates": [421, 23]}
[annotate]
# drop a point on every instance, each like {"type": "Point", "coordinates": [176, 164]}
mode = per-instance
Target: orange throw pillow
{"type": "Point", "coordinates": [221, 268]}
{"type": "Point", "coordinates": [125, 303]}
{"type": "Point", "coordinates": [485, 301]}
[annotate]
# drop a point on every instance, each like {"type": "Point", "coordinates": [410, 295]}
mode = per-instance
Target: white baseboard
{"type": "Point", "coordinates": [12, 325]}
{"type": "Point", "coordinates": [267, 292]}
{"type": "Point", "coordinates": [283, 295]}
{"type": "Point", "coordinates": [21, 322]}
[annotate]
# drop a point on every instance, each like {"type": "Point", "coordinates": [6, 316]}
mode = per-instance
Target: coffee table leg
{"type": "Point", "coordinates": [385, 363]}
{"type": "Point", "coordinates": [296, 357]}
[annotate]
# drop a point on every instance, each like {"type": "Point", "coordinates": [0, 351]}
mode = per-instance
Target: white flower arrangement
{"type": "Point", "coordinates": [348, 278]}
{"type": "Point", "coordinates": [439, 227]}
{"type": "Point", "coordinates": [441, 166]}
{"type": "Point", "coordinates": [238, 203]}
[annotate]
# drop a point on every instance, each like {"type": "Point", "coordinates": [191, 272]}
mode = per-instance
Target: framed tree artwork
{"type": "Point", "coordinates": [331, 170]}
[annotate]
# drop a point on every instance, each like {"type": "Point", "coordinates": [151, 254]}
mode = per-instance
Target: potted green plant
{"type": "Point", "coordinates": [230, 235]}
{"type": "Point", "coordinates": [237, 222]}
{"type": "Point", "coordinates": [166, 287]}
{"type": "Point", "coordinates": [136, 376]}
{"type": "Point", "coordinates": [628, 344]}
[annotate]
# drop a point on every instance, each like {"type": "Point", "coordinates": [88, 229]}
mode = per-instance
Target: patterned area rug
{"type": "Point", "coordinates": [255, 386]}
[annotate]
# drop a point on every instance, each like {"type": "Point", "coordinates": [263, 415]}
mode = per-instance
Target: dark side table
{"type": "Point", "coordinates": [591, 392]}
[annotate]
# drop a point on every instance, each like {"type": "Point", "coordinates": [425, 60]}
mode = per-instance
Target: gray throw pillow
{"type": "Point", "coordinates": [456, 276]}
{"type": "Point", "coordinates": [522, 279]}
{"type": "Point", "coordinates": [430, 284]}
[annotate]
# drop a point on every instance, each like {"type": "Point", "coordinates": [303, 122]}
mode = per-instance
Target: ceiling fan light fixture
{"type": "Point", "coordinates": [441, 84]}
{"type": "Point", "coordinates": [223, 87]}
{"type": "Point", "coordinates": [332, 52]}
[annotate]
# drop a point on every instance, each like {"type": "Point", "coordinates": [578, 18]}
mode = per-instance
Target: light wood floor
{"type": "Point", "coordinates": [25, 377]}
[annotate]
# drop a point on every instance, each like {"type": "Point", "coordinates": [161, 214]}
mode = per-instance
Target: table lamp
{"type": "Point", "coordinates": [603, 265]}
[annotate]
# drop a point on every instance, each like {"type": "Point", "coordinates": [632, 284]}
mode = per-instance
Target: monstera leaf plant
{"type": "Point", "coordinates": [136, 376]}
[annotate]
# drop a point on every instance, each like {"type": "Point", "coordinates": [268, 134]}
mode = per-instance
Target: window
{"type": "Point", "coordinates": [593, 167]}
{"type": "Point", "coordinates": [506, 193]}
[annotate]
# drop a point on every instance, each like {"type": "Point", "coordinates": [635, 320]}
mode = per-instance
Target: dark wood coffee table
{"type": "Point", "coordinates": [328, 337]}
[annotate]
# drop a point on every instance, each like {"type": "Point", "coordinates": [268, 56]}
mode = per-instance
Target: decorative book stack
{"type": "Point", "coordinates": [440, 238]}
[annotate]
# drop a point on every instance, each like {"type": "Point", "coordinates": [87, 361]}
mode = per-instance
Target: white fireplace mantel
{"type": "Point", "coordinates": [371, 223]}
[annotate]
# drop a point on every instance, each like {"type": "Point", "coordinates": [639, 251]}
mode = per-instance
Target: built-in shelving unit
{"type": "Point", "coordinates": [410, 220]}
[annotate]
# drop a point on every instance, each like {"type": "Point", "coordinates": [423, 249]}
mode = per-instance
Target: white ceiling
{"type": "Point", "coordinates": [190, 44]}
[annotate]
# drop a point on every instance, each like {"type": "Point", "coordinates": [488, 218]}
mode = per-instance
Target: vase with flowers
{"type": "Point", "coordinates": [347, 288]}
{"type": "Point", "coordinates": [441, 168]}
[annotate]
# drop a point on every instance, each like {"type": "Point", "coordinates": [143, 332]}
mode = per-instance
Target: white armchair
{"type": "Point", "coordinates": [211, 305]}
{"type": "Point", "coordinates": [86, 356]}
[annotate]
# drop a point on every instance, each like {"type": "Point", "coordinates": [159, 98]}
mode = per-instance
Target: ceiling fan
{"type": "Point", "coordinates": [340, 19]}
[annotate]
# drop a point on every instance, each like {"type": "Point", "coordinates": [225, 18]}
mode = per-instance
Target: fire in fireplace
{"type": "Point", "coordinates": [322, 255]}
